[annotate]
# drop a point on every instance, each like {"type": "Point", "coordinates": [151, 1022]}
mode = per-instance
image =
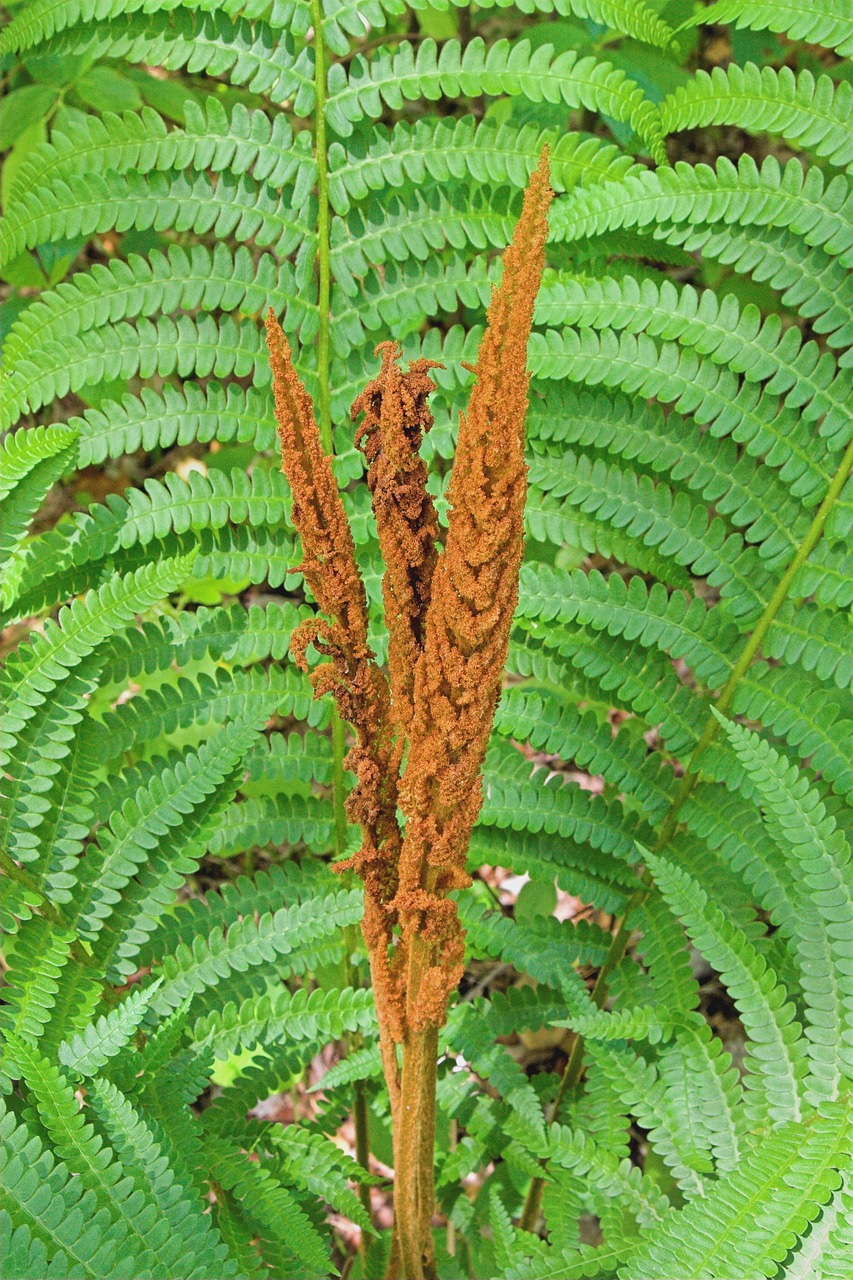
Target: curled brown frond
{"type": "Point", "coordinates": [396, 418]}
{"type": "Point", "coordinates": [474, 594]}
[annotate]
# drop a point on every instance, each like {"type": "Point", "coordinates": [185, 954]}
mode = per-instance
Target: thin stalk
{"type": "Point", "coordinates": [574, 1067]}
{"type": "Point", "coordinates": [451, 1227]}
{"type": "Point", "coordinates": [324, 261]}
{"type": "Point", "coordinates": [339, 791]}
{"type": "Point", "coordinates": [323, 246]}
{"type": "Point", "coordinates": [324, 389]}
{"type": "Point", "coordinates": [361, 1117]}
{"type": "Point", "coordinates": [324, 412]}
{"type": "Point", "coordinates": [360, 1112]}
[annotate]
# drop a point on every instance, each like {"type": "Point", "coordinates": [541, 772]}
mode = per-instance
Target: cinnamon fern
{"type": "Point", "coordinates": [660, 726]}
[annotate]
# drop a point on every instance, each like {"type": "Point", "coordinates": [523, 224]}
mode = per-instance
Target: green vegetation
{"type": "Point", "coordinates": [672, 748]}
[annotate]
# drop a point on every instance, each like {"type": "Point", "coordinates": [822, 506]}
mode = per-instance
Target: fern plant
{"type": "Point", "coordinates": [177, 945]}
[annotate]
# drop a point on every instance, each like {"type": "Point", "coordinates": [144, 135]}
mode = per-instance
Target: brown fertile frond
{"type": "Point", "coordinates": [396, 418]}
{"type": "Point", "coordinates": [474, 595]}
{"type": "Point", "coordinates": [328, 550]}
{"type": "Point", "coordinates": [352, 676]}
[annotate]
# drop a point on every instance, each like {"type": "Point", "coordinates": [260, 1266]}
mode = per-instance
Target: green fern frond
{"type": "Point", "coordinates": [806, 112]}
{"type": "Point", "coordinates": [663, 949]}
{"type": "Point", "coordinates": [573, 662]}
{"type": "Point", "coordinates": [744, 194]}
{"type": "Point", "coordinates": [155, 813]}
{"type": "Point", "coordinates": [283, 1016]}
{"type": "Point", "coordinates": [635, 363]}
{"type": "Point", "coordinates": [562, 731]}
{"type": "Point", "coordinates": [314, 1164]}
{"type": "Point", "coordinates": [825, 23]}
{"type": "Point", "coordinates": [282, 885]}
{"type": "Point", "coordinates": [199, 345]}
{"type": "Point", "coordinates": [840, 1234]}
{"type": "Point", "coordinates": [710, 1088]}
{"type": "Point", "coordinates": [363, 1064]}
{"type": "Point", "coordinates": [140, 142]}
{"type": "Point", "coordinates": [174, 416]}
{"type": "Point", "coordinates": [683, 528]}
{"type": "Point", "coordinates": [730, 824]}
{"type": "Point", "coordinates": [775, 1056]}
{"type": "Point", "coordinates": [191, 969]}
{"type": "Point", "coordinates": [577, 1152]}
{"type": "Point", "coordinates": [720, 331]}
{"type": "Point", "coordinates": [40, 778]}
{"type": "Point", "coordinates": [816, 857]}
{"type": "Point", "coordinates": [160, 509]}
{"type": "Point", "coordinates": [283, 758]}
{"type": "Point", "coordinates": [140, 1232]}
{"type": "Point", "coordinates": [502, 68]}
{"type": "Point", "coordinates": [235, 205]}
{"type": "Point", "coordinates": [520, 798]}
{"type": "Point", "coordinates": [806, 715]}
{"type": "Point", "coordinates": [652, 616]}
{"type": "Point", "coordinates": [779, 1187]}
{"type": "Point", "coordinates": [445, 148]}
{"type": "Point", "coordinates": [469, 1034]}
{"type": "Point", "coordinates": [270, 1205]}
{"type": "Point", "coordinates": [662, 1109]}
{"type": "Point", "coordinates": [61, 1230]}
{"type": "Point", "coordinates": [543, 947]}
{"type": "Point", "coordinates": [197, 1252]}
{"type": "Point", "coordinates": [264, 820]}
{"type": "Point", "coordinates": [134, 1066]}
{"type": "Point", "coordinates": [179, 280]}
{"type": "Point", "coordinates": [89, 1049]}
{"type": "Point", "coordinates": [432, 217]}
{"type": "Point", "coordinates": [239, 1235]}
{"type": "Point", "coordinates": [230, 696]}
{"type": "Point", "coordinates": [749, 494]}
{"type": "Point", "coordinates": [32, 981]}
{"type": "Point", "coordinates": [632, 18]}
{"type": "Point", "coordinates": [35, 671]}
{"type": "Point", "coordinates": [811, 280]}
{"type": "Point", "coordinates": [246, 52]}
{"type": "Point", "coordinates": [30, 462]}
{"type": "Point", "coordinates": [605, 880]}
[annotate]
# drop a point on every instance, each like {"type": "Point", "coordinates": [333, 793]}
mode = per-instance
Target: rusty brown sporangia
{"type": "Point", "coordinates": [448, 614]}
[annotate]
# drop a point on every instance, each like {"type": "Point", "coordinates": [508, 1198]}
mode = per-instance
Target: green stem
{"type": "Point", "coordinates": [339, 791]}
{"type": "Point", "coordinates": [574, 1067]}
{"type": "Point", "coordinates": [323, 245]}
{"type": "Point", "coordinates": [361, 1116]}
{"type": "Point", "coordinates": [360, 1113]}
{"type": "Point", "coordinates": [324, 261]}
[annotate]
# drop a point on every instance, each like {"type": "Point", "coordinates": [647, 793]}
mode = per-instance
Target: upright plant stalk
{"type": "Point", "coordinates": [324, 263]}
{"type": "Point", "coordinates": [448, 618]}
{"type": "Point", "coordinates": [574, 1066]}
{"type": "Point", "coordinates": [324, 257]}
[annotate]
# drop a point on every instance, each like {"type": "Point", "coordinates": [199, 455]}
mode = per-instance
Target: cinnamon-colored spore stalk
{"type": "Point", "coordinates": [396, 418]}
{"type": "Point", "coordinates": [448, 616]}
{"type": "Point", "coordinates": [352, 676]}
{"type": "Point", "coordinates": [474, 595]}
